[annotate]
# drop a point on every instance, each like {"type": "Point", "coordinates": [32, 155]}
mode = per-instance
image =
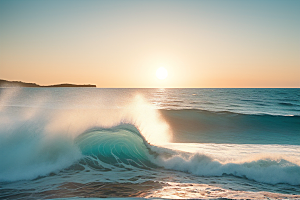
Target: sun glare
{"type": "Point", "coordinates": [161, 73]}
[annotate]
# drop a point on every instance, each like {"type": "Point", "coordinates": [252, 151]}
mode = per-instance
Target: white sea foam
{"type": "Point", "coordinates": [264, 168]}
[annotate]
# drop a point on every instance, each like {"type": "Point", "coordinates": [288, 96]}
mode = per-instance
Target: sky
{"type": "Point", "coordinates": [121, 44]}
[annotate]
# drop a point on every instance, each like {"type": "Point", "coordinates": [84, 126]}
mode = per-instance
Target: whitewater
{"type": "Point", "coordinates": [149, 143]}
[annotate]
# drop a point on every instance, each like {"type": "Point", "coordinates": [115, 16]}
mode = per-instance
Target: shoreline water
{"type": "Point", "coordinates": [145, 190]}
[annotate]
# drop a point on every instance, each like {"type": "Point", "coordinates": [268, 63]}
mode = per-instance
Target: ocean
{"type": "Point", "coordinates": [70, 143]}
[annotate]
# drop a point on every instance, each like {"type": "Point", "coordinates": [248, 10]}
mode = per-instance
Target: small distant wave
{"type": "Point", "coordinates": [248, 100]}
{"type": "Point", "coordinates": [294, 100]}
{"type": "Point", "coordinates": [232, 112]}
{"type": "Point", "coordinates": [281, 93]}
{"type": "Point", "coordinates": [261, 104]}
{"type": "Point", "coordinates": [233, 106]}
{"type": "Point", "coordinates": [208, 103]}
{"type": "Point", "coordinates": [177, 101]}
{"type": "Point", "coordinates": [287, 104]}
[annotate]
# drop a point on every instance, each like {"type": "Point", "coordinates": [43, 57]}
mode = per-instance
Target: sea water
{"type": "Point", "coordinates": [149, 143]}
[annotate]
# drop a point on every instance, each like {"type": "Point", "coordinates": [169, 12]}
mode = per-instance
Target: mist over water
{"type": "Point", "coordinates": [50, 137]}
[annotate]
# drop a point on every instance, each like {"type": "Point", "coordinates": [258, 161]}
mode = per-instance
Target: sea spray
{"type": "Point", "coordinates": [136, 112]}
{"type": "Point", "coordinates": [26, 152]}
{"type": "Point", "coordinates": [39, 139]}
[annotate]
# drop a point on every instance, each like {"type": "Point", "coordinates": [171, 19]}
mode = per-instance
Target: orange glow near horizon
{"type": "Point", "coordinates": [121, 44]}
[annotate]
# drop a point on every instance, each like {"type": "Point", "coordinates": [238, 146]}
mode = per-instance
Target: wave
{"type": "Point", "coordinates": [192, 125]}
{"type": "Point", "coordinates": [267, 170]}
{"type": "Point", "coordinates": [123, 146]}
{"type": "Point", "coordinates": [28, 153]}
{"type": "Point", "coordinates": [37, 141]}
{"type": "Point", "coordinates": [287, 104]}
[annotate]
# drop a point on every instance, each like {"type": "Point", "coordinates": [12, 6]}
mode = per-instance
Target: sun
{"type": "Point", "coordinates": [161, 73]}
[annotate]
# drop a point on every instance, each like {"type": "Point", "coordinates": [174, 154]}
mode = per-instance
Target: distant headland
{"type": "Point", "coordinates": [5, 83]}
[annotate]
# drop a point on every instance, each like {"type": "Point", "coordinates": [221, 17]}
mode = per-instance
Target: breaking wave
{"type": "Point", "coordinates": [37, 141]}
{"type": "Point", "coordinates": [124, 146]}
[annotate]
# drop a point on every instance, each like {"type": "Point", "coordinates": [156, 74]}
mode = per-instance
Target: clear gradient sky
{"type": "Point", "coordinates": [211, 43]}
